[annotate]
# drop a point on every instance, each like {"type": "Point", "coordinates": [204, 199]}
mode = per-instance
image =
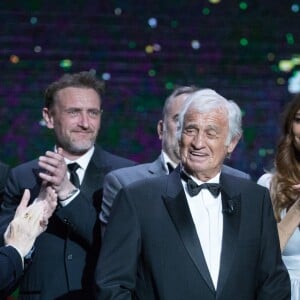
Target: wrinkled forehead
{"type": "Point", "coordinates": [215, 120]}
{"type": "Point", "coordinates": [205, 112]}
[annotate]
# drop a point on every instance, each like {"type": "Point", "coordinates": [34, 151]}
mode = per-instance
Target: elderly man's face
{"type": "Point", "coordinates": [202, 143]}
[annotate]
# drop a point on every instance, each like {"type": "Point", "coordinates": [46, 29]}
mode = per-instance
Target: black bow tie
{"type": "Point", "coordinates": [194, 189]}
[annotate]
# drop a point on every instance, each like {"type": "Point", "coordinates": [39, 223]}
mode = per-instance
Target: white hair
{"type": "Point", "coordinates": [207, 100]}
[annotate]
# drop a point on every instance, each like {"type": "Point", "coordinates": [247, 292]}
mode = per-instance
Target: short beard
{"type": "Point", "coordinates": [77, 150]}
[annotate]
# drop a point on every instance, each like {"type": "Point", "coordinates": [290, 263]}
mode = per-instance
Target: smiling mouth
{"type": "Point", "coordinates": [193, 153]}
{"type": "Point", "coordinates": [83, 132]}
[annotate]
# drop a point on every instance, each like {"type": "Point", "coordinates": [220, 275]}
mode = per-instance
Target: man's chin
{"type": "Point", "coordinates": [80, 150]}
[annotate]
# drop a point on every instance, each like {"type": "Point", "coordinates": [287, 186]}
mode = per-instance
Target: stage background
{"type": "Point", "coordinates": [248, 51]}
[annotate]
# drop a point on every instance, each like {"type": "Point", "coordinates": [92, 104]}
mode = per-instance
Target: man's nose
{"type": "Point", "coordinates": [84, 119]}
{"type": "Point", "coordinates": [199, 140]}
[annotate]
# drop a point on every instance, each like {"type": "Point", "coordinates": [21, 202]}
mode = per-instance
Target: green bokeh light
{"type": "Point", "coordinates": [243, 5]}
{"type": "Point", "coordinates": [65, 63]}
{"type": "Point", "coordinates": [244, 42]}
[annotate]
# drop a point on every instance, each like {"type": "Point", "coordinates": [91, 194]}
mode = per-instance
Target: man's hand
{"type": "Point", "coordinates": [29, 221]}
{"type": "Point", "coordinates": [56, 172]}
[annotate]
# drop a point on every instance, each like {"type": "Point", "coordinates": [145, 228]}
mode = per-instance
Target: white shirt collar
{"type": "Point", "coordinates": [165, 159]}
{"type": "Point", "coordinates": [83, 160]}
{"type": "Point", "coordinates": [215, 179]}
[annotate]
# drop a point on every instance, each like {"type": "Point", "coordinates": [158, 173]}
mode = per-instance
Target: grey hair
{"type": "Point", "coordinates": [180, 90]}
{"type": "Point", "coordinates": [207, 100]}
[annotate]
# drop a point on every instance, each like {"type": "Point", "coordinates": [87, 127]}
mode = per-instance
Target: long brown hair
{"type": "Point", "coordinates": [287, 162]}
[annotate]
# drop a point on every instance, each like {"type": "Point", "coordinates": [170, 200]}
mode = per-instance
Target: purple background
{"type": "Point", "coordinates": [241, 46]}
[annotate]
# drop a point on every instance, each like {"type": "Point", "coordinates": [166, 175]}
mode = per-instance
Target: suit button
{"type": "Point", "coordinates": [70, 257]}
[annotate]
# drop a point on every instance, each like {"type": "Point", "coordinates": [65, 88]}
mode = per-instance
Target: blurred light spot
{"type": "Point", "coordinates": [118, 11]}
{"type": "Point", "coordinates": [169, 85]}
{"type": "Point", "coordinates": [285, 65]}
{"type": "Point", "coordinates": [33, 20]}
{"type": "Point", "coordinates": [152, 22]}
{"type": "Point", "coordinates": [271, 56]}
{"type": "Point", "coordinates": [37, 49]}
{"type": "Point", "coordinates": [151, 73]}
{"type": "Point", "coordinates": [132, 45]}
{"type": "Point", "coordinates": [149, 49]}
{"type": "Point", "coordinates": [280, 81]}
{"type": "Point", "coordinates": [243, 5]}
{"type": "Point", "coordinates": [195, 44]}
{"type": "Point", "coordinates": [106, 76]}
{"type": "Point", "coordinates": [294, 83]}
{"type": "Point", "coordinates": [262, 152]}
{"type": "Point", "coordinates": [205, 11]}
{"type": "Point", "coordinates": [290, 38]}
{"type": "Point", "coordinates": [243, 42]}
{"type": "Point", "coordinates": [174, 24]}
{"type": "Point", "coordinates": [65, 63]}
{"type": "Point", "coordinates": [14, 59]}
{"type": "Point", "coordinates": [275, 68]}
{"type": "Point", "coordinates": [295, 8]}
{"type": "Point", "coordinates": [156, 47]}
{"type": "Point", "coordinates": [296, 60]}
{"type": "Point", "coordinates": [214, 1]}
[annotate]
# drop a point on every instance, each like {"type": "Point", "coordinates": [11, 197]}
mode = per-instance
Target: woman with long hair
{"type": "Point", "coordinates": [284, 185]}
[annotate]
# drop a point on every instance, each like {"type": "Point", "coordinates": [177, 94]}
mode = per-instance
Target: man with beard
{"type": "Point", "coordinates": [63, 261]}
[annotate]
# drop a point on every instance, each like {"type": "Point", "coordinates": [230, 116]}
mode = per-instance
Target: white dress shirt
{"type": "Point", "coordinates": [83, 162]}
{"type": "Point", "coordinates": [207, 215]}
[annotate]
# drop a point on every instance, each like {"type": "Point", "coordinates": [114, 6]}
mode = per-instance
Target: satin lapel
{"type": "Point", "coordinates": [231, 226]}
{"type": "Point", "coordinates": [94, 176]}
{"type": "Point", "coordinates": [178, 209]}
{"type": "Point", "coordinates": [93, 180]}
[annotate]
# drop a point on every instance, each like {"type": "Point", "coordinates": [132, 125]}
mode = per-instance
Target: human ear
{"type": "Point", "coordinates": [160, 128]}
{"type": "Point", "coordinates": [48, 118]}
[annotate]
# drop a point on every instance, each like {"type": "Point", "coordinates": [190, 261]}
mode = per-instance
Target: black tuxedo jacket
{"type": "Point", "coordinates": [11, 269]}
{"type": "Point", "coordinates": [64, 259]}
{"type": "Point", "coordinates": [151, 250]}
{"type": "Point", "coordinates": [4, 169]}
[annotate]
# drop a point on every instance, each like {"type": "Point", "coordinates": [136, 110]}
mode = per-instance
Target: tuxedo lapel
{"type": "Point", "coordinates": [231, 225]}
{"type": "Point", "coordinates": [178, 209]}
{"type": "Point", "coordinates": [93, 178]}
{"type": "Point", "coordinates": [156, 168]}
{"type": "Point", "coordinates": [92, 183]}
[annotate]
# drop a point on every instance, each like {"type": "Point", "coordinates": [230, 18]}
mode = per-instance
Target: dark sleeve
{"type": "Point", "coordinates": [274, 282]}
{"type": "Point", "coordinates": [12, 197]}
{"type": "Point", "coordinates": [82, 213]}
{"type": "Point", "coordinates": [81, 217]}
{"type": "Point", "coordinates": [111, 187]}
{"type": "Point", "coordinates": [4, 169]}
{"type": "Point", "coordinates": [117, 265]}
{"type": "Point", "coordinates": [11, 268]}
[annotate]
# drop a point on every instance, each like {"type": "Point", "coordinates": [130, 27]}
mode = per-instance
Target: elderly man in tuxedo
{"type": "Point", "coordinates": [166, 162]}
{"type": "Point", "coordinates": [197, 233]}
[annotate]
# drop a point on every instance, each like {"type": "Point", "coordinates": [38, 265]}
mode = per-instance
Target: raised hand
{"type": "Point", "coordinates": [55, 173]}
{"type": "Point", "coordinates": [26, 225]}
